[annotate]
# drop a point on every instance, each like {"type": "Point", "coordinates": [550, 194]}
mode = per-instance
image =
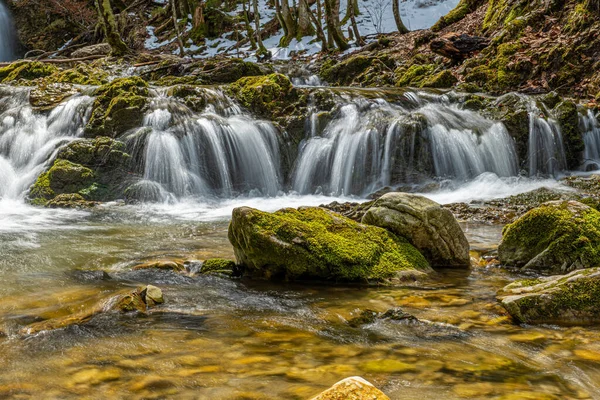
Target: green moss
{"type": "Point", "coordinates": [218, 265]}
{"type": "Point", "coordinates": [313, 243]}
{"type": "Point", "coordinates": [557, 236]}
{"type": "Point", "coordinates": [462, 9]}
{"type": "Point", "coordinates": [414, 75]}
{"type": "Point", "coordinates": [441, 80]}
{"type": "Point", "coordinates": [118, 107]}
{"type": "Point", "coordinates": [82, 74]}
{"type": "Point", "coordinates": [63, 177]}
{"type": "Point", "coordinates": [344, 73]}
{"type": "Point", "coordinates": [26, 71]}
{"type": "Point", "coordinates": [262, 93]}
{"type": "Point", "coordinates": [579, 19]}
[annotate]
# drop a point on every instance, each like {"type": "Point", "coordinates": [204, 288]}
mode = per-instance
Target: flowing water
{"type": "Point", "coordinates": [241, 339]}
{"type": "Point", "coordinates": [7, 36]}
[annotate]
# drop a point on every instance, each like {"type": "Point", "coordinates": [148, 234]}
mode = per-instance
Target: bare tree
{"type": "Point", "coordinates": [332, 18]}
{"type": "Point", "coordinates": [262, 51]}
{"type": "Point", "coordinates": [377, 13]}
{"type": "Point", "coordinates": [177, 33]}
{"type": "Point", "coordinates": [399, 24]}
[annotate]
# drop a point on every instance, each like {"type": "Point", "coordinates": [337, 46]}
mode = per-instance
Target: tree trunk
{"type": "Point", "coordinates": [359, 39]}
{"type": "Point", "coordinates": [399, 24]}
{"type": "Point", "coordinates": [351, 8]}
{"type": "Point", "coordinates": [291, 23]}
{"type": "Point", "coordinates": [177, 33]}
{"type": "Point", "coordinates": [109, 26]}
{"type": "Point", "coordinates": [249, 31]}
{"type": "Point", "coordinates": [305, 27]}
{"type": "Point", "coordinates": [317, 22]}
{"type": "Point", "coordinates": [262, 51]}
{"type": "Point", "coordinates": [333, 23]}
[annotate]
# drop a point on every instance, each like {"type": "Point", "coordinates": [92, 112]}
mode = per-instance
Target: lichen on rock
{"type": "Point", "coordinates": [311, 243]}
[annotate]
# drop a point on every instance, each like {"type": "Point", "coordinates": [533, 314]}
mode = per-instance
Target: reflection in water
{"type": "Point", "coordinates": [221, 338]}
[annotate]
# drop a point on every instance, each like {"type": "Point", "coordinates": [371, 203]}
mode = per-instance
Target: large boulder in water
{"type": "Point", "coordinates": [425, 224]}
{"type": "Point", "coordinates": [557, 237]}
{"type": "Point", "coordinates": [314, 243]}
{"type": "Point", "coordinates": [572, 299]}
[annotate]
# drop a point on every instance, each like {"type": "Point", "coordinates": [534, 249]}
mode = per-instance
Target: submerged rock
{"type": "Point", "coordinates": [370, 316]}
{"type": "Point", "coordinates": [557, 237]}
{"type": "Point", "coordinates": [572, 299]}
{"type": "Point", "coordinates": [432, 229]}
{"type": "Point", "coordinates": [138, 300]}
{"type": "Point", "coordinates": [314, 243]}
{"type": "Point", "coordinates": [354, 388]}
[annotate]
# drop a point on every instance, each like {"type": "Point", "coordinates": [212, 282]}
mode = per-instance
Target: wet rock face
{"type": "Point", "coordinates": [557, 237]}
{"type": "Point", "coordinates": [354, 388]}
{"type": "Point", "coordinates": [432, 229]}
{"type": "Point", "coordinates": [313, 243]}
{"type": "Point", "coordinates": [572, 299]}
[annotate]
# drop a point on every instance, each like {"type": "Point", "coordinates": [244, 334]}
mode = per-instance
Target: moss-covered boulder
{"type": "Point", "coordinates": [82, 74]}
{"type": "Point", "coordinates": [86, 169]}
{"type": "Point", "coordinates": [218, 266]}
{"type": "Point", "coordinates": [265, 95]}
{"type": "Point", "coordinates": [119, 106]}
{"type": "Point", "coordinates": [312, 243]}
{"type": "Point", "coordinates": [433, 230]}
{"type": "Point", "coordinates": [25, 71]}
{"type": "Point", "coordinates": [572, 299]}
{"type": "Point", "coordinates": [229, 70]}
{"type": "Point", "coordinates": [63, 177]}
{"type": "Point", "coordinates": [47, 96]}
{"type": "Point", "coordinates": [557, 237]}
{"type": "Point", "coordinates": [441, 80]}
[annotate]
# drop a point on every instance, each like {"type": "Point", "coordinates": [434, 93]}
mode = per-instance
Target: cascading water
{"type": "Point", "coordinates": [546, 151]}
{"type": "Point", "coordinates": [591, 138]}
{"type": "Point", "coordinates": [371, 144]}
{"type": "Point", "coordinates": [7, 34]}
{"type": "Point", "coordinates": [220, 152]}
{"type": "Point", "coordinates": [29, 139]}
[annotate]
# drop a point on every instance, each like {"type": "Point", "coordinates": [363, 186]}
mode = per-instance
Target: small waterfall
{"type": "Point", "coordinates": [29, 139]}
{"type": "Point", "coordinates": [216, 153]}
{"type": "Point", "coordinates": [546, 151]}
{"type": "Point", "coordinates": [591, 137]}
{"type": "Point", "coordinates": [375, 143]}
{"type": "Point", "coordinates": [7, 35]}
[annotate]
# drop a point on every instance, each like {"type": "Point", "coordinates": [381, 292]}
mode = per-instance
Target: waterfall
{"type": "Point", "coordinates": [7, 35]}
{"type": "Point", "coordinates": [220, 152]}
{"type": "Point", "coordinates": [29, 139]}
{"type": "Point", "coordinates": [591, 138]}
{"type": "Point", "coordinates": [546, 152]}
{"type": "Point", "coordinates": [371, 144]}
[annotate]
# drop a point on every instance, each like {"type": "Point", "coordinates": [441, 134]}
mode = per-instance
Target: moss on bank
{"type": "Point", "coordinates": [313, 243]}
{"type": "Point", "coordinates": [22, 72]}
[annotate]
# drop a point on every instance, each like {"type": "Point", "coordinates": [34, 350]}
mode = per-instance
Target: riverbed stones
{"type": "Point", "coordinates": [432, 229]}
{"type": "Point", "coordinates": [557, 237]}
{"type": "Point", "coordinates": [572, 299]}
{"type": "Point", "coordinates": [353, 388]}
{"type": "Point", "coordinates": [311, 243]}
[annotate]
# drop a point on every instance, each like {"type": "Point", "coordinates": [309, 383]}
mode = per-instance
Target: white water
{"type": "Point", "coordinates": [7, 35]}
{"type": "Point", "coordinates": [546, 149]}
{"type": "Point", "coordinates": [591, 138]}
{"type": "Point", "coordinates": [371, 144]}
{"type": "Point", "coordinates": [220, 152]}
{"type": "Point", "coordinates": [28, 139]}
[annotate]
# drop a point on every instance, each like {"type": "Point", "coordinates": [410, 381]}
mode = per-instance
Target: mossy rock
{"type": "Point", "coordinates": [441, 80]}
{"type": "Point", "coordinates": [26, 71]}
{"type": "Point", "coordinates": [119, 106]}
{"type": "Point", "coordinates": [557, 237]}
{"type": "Point", "coordinates": [229, 71]}
{"type": "Point", "coordinates": [82, 74]}
{"type": "Point", "coordinates": [572, 299]}
{"type": "Point", "coordinates": [312, 243]}
{"type": "Point", "coordinates": [46, 96]}
{"type": "Point", "coordinates": [63, 177]}
{"type": "Point", "coordinates": [344, 73]}
{"type": "Point", "coordinates": [70, 200]}
{"type": "Point", "coordinates": [263, 94]}
{"type": "Point", "coordinates": [101, 152]}
{"type": "Point", "coordinates": [568, 118]}
{"type": "Point", "coordinates": [218, 266]}
{"type": "Point", "coordinates": [414, 75]}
